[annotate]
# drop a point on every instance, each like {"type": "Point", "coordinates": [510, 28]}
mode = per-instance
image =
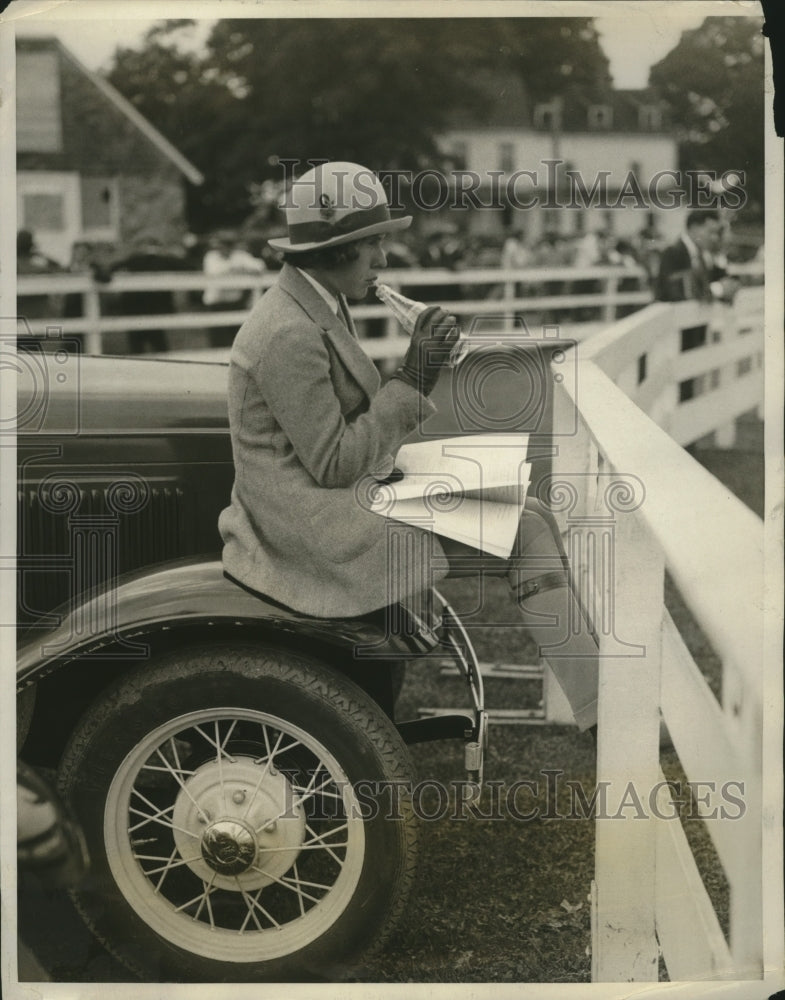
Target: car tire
{"type": "Point", "coordinates": [25, 706]}
{"type": "Point", "coordinates": [248, 817]}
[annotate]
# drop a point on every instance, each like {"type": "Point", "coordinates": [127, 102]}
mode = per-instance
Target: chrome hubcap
{"type": "Point", "coordinates": [229, 847]}
{"type": "Point", "coordinates": [245, 818]}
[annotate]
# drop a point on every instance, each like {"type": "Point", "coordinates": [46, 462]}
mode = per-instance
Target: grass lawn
{"type": "Point", "coordinates": [502, 898]}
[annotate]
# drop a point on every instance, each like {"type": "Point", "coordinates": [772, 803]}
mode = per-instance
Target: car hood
{"type": "Point", "coordinates": [59, 393]}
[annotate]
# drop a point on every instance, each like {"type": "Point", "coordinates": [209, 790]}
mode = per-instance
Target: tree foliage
{"type": "Point", "coordinates": [713, 82]}
{"type": "Point", "coordinates": [374, 90]}
{"type": "Point", "coordinates": [555, 55]}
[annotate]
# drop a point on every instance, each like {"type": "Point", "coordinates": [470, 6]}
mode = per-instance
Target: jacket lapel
{"type": "Point", "coordinates": [347, 316]}
{"type": "Point", "coordinates": [343, 340]}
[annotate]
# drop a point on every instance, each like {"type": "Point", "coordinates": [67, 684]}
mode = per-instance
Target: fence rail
{"type": "Point", "coordinates": [692, 367]}
{"type": "Point", "coordinates": [671, 516]}
{"type": "Point", "coordinates": [486, 300]}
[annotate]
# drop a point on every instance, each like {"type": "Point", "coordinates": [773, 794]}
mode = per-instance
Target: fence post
{"type": "Point", "coordinates": [92, 315]}
{"type": "Point", "coordinates": [631, 580]}
{"type": "Point", "coordinates": [573, 456]}
{"type": "Point", "coordinates": [611, 290]}
{"type": "Point", "coordinates": [510, 290]}
{"type": "Point", "coordinates": [743, 708]}
{"type": "Point", "coordinates": [624, 946]}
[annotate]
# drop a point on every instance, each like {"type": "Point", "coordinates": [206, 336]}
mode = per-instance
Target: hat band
{"type": "Point", "coordinates": [321, 230]}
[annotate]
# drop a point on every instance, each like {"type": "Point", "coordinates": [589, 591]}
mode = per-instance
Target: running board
{"type": "Point", "coordinates": [452, 724]}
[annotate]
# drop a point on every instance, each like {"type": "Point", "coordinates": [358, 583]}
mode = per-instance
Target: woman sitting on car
{"type": "Point", "coordinates": [309, 419]}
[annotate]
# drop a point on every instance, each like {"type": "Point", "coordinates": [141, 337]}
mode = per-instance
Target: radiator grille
{"type": "Point", "coordinates": [72, 536]}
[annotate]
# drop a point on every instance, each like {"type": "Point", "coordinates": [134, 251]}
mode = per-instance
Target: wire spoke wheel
{"type": "Point", "coordinates": [234, 834]}
{"type": "Point", "coordinates": [226, 833]}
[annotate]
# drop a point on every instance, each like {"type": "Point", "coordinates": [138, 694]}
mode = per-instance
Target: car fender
{"type": "Point", "coordinates": [118, 623]}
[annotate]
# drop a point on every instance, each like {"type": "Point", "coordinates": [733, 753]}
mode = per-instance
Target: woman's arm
{"type": "Point", "coordinates": [293, 374]}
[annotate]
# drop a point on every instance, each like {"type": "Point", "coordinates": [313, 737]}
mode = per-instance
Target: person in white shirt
{"type": "Point", "coordinates": [515, 254]}
{"type": "Point", "coordinates": [225, 257]}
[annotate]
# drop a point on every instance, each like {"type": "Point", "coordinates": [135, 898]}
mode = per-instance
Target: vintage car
{"type": "Point", "coordinates": [236, 767]}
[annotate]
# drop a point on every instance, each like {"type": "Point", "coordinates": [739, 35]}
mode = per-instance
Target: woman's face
{"type": "Point", "coordinates": [355, 277]}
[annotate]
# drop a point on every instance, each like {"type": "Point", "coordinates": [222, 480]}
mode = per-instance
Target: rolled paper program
{"type": "Point", "coordinates": [407, 311]}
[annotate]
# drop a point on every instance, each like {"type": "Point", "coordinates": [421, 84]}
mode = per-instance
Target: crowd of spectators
{"type": "Point", "coordinates": [222, 253]}
{"type": "Point", "coordinates": [448, 248]}
{"type": "Point", "coordinates": [443, 246]}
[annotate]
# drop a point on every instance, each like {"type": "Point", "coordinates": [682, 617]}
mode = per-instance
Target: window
{"type": "Point", "coordinates": [600, 116]}
{"type": "Point", "coordinates": [44, 211]}
{"type": "Point", "coordinates": [694, 336]}
{"type": "Point", "coordinates": [649, 117]}
{"type": "Point", "coordinates": [714, 379]}
{"type": "Point", "coordinates": [507, 157]}
{"type": "Point", "coordinates": [691, 387]}
{"type": "Point", "coordinates": [39, 127]}
{"type": "Point", "coordinates": [642, 359]}
{"type": "Point", "coordinates": [552, 220]}
{"type": "Point", "coordinates": [547, 116]}
{"type": "Point", "coordinates": [743, 366]}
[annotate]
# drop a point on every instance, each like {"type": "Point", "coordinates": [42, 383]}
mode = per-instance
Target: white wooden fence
{"type": "Point", "coordinates": [486, 299]}
{"type": "Point", "coordinates": [637, 506]}
{"type": "Point", "coordinates": [693, 368]}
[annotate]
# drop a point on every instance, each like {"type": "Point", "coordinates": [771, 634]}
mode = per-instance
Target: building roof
{"type": "Point", "coordinates": [509, 106]}
{"type": "Point", "coordinates": [148, 130]}
{"type": "Point", "coordinates": [625, 107]}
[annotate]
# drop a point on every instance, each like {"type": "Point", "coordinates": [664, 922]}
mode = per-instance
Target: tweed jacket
{"type": "Point", "coordinates": [309, 423]}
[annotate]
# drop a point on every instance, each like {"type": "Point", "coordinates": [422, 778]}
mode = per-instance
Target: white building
{"type": "Point", "coordinates": [569, 166]}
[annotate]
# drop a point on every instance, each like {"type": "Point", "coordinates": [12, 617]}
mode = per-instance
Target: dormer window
{"type": "Point", "coordinates": [547, 116]}
{"type": "Point", "coordinates": [600, 116]}
{"type": "Point", "coordinates": [649, 117]}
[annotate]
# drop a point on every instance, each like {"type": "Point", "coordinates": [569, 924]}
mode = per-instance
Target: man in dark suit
{"type": "Point", "coordinates": [310, 422]}
{"type": "Point", "coordinates": [693, 266]}
{"type": "Point", "coordinates": [148, 256]}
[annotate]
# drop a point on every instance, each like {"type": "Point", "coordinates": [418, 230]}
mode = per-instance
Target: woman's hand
{"type": "Point", "coordinates": [394, 477]}
{"type": "Point", "coordinates": [434, 337]}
